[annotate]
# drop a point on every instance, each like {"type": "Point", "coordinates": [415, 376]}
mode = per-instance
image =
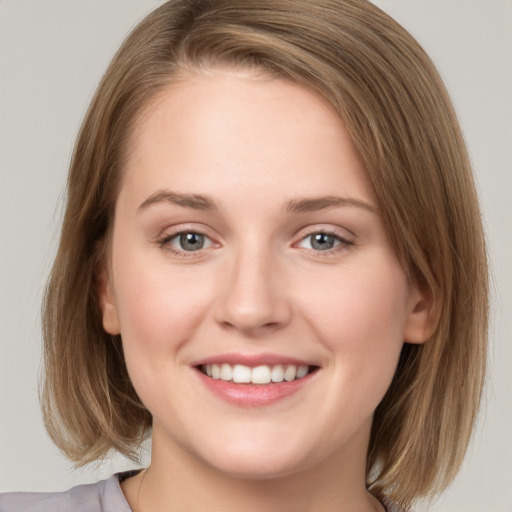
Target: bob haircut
{"type": "Point", "coordinates": [395, 106]}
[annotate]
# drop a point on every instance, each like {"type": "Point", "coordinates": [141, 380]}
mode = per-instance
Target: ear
{"type": "Point", "coordinates": [107, 302]}
{"type": "Point", "coordinates": [422, 320]}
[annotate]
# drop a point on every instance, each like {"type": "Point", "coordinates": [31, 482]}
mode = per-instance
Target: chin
{"type": "Point", "coordinates": [259, 463]}
{"type": "Point", "coordinates": [259, 470]}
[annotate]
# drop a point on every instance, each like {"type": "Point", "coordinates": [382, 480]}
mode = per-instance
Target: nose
{"type": "Point", "coordinates": [253, 297]}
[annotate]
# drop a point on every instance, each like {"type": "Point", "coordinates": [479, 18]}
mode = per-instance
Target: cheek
{"type": "Point", "coordinates": [158, 310]}
{"type": "Point", "coordinates": [360, 317]}
{"type": "Point", "coordinates": [365, 305]}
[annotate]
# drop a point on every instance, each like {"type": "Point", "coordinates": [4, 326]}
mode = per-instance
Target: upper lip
{"type": "Point", "coordinates": [251, 360]}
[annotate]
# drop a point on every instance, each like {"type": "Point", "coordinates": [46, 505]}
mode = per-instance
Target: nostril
{"type": "Point", "coordinates": [252, 305]}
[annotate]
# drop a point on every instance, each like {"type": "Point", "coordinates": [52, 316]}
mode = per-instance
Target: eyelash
{"type": "Point", "coordinates": [343, 243]}
{"type": "Point", "coordinates": [164, 243]}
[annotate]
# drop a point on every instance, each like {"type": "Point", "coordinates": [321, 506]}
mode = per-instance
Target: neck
{"type": "Point", "coordinates": [178, 481]}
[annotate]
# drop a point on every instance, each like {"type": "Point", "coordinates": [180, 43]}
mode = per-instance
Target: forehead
{"type": "Point", "coordinates": [251, 132]}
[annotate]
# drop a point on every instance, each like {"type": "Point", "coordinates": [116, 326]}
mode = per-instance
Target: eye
{"type": "Point", "coordinates": [322, 241]}
{"type": "Point", "coordinates": [186, 242]}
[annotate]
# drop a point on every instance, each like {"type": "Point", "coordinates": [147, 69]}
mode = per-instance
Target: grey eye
{"type": "Point", "coordinates": [322, 241]}
{"type": "Point", "coordinates": [191, 241]}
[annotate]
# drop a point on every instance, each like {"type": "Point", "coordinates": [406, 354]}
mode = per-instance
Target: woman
{"type": "Point", "coordinates": [270, 226]}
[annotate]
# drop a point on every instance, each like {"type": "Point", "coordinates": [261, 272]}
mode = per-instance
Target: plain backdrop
{"type": "Point", "coordinates": [52, 54]}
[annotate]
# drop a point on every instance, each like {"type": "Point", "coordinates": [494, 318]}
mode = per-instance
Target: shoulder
{"type": "Point", "coordinates": [103, 496]}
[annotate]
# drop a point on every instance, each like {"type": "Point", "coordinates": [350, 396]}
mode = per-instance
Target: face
{"type": "Point", "coordinates": [261, 306]}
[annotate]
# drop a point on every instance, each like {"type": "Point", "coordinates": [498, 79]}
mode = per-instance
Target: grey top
{"type": "Point", "coordinates": [103, 496]}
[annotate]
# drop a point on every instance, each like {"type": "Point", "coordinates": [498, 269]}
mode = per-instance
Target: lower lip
{"type": "Point", "coordinates": [253, 395]}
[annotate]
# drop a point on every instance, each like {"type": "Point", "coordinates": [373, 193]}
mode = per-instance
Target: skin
{"type": "Point", "coordinates": [252, 144]}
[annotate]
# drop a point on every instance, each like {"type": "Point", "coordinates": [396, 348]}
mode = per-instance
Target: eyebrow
{"type": "Point", "coordinates": [206, 203]}
{"type": "Point", "coordinates": [320, 203]}
{"type": "Point", "coordinates": [194, 201]}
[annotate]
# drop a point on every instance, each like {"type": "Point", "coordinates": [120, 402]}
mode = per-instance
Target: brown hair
{"type": "Point", "coordinates": [395, 106]}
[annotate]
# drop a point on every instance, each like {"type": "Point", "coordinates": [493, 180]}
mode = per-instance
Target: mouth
{"type": "Point", "coordinates": [255, 380]}
{"type": "Point", "coordinates": [256, 375]}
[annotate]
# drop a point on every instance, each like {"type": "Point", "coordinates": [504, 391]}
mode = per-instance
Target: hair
{"type": "Point", "coordinates": [398, 113]}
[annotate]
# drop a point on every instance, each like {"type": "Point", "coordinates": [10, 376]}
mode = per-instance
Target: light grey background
{"type": "Point", "coordinates": [52, 54]}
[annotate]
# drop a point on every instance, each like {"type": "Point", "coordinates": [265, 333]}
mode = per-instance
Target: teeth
{"type": "Point", "coordinates": [302, 371]}
{"type": "Point", "coordinates": [277, 373]}
{"type": "Point", "coordinates": [215, 370]}
{"type": "Point", "coordinates": [290, 373]}
{"type": "Point", "coordinates": [226, 372]}
{"type": "Point", "coordinates": [259, 375]}
{"type": "Point", "coordinates": [241, 373]}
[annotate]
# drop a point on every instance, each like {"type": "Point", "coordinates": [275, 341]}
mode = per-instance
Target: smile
{"type": "Point", "coordinates": [263, 374]}
{"type": "Point", "coordinates": [254, 381]}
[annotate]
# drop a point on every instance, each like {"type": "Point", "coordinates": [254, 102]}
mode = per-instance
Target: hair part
{"type": "Point", "coordinates": [399, 115]}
